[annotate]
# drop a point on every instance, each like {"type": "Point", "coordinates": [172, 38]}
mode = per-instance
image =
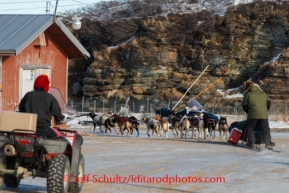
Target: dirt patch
{"type": "Point", "coordinates": [279, 170]}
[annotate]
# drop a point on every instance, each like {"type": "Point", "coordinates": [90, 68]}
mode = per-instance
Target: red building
{"type": "Point", "coordinates": [31, 45]}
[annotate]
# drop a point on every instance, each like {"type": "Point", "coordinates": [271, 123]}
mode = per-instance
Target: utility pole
{"type": "Point", "coordinates": [55, 10]}
{"type": "Point", "coordinates": [48, 6]}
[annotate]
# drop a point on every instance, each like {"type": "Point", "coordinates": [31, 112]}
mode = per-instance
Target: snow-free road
{"type": "Point", "coordinates": [142, 164]}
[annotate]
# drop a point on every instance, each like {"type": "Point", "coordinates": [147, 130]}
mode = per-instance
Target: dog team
{"type": "Point", "coordinates": [201, 125]}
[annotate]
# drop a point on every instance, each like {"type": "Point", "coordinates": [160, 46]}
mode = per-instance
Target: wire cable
{"type": "Point", "coordinates": [19, 2]}
{"type": "Point", "coordinates": [37, 7]}
{"type": "Point", "coordinates": [80, 2]}
{"type": "Point", "coordinates": [44, 6]}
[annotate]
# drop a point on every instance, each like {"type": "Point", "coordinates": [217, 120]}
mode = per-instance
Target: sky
{"type": "Point", "coordinates": [39, 6]}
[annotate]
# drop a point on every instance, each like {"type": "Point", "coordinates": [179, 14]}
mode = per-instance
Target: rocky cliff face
{"type": "Point", "coordinates": [161, 57]}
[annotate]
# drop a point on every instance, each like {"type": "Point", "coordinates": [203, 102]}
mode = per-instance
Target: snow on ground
{"type": "Point", "coordinates": [242, 169]}
{"type": "Point", "coordinates": [226, 93]}
{"type": "Point", "coordinates": [274, 59]}
{"type": "Point", "coordinates": [182, 7]}
{"type": "Point", "coordinates": [278, 124]}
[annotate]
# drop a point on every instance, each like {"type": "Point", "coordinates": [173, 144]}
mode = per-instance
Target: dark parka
{"type": "Point", "coordinates": [43, 104]}
{"type": "Point", "coordinates": [256, 103]}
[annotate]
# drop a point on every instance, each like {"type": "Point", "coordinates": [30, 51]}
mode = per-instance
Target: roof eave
{"type": "Point", "coordinates": [7, 53]}
{"type": "Point", "coordinates": [72, 38]}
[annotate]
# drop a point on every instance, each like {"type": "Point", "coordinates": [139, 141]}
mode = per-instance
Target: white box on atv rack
{"type": "Point", "coordinates": [11, 120]}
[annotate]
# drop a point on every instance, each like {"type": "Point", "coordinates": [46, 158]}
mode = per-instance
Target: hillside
{"type": "Point", "coordinates": [159, 57]}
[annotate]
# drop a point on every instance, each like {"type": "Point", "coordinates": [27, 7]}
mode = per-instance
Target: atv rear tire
{"type": "Point", "coordinates": [2, 166]}
{"type": "Point", "coordinates": [75, 187]}
{"type": "Point", "coordinates": [58, 174]}
{"type": "Point", "coordinates": [11, 181]}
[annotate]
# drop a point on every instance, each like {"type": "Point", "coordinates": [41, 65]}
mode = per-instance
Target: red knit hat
{"type": "Point", "coordinates": [42, 81]}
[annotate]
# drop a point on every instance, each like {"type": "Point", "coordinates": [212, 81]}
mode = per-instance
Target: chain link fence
{"type": "Point", "coordinates": [104, 105]}
{"type": "Point", "coordinates": [278, 111]}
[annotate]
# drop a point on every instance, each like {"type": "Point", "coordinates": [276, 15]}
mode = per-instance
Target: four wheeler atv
{"type": "Point", "coordinates": [59, 159]}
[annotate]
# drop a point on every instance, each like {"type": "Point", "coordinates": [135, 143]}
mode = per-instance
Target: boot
{"type": "Point", "coordinates": [250, 144]}
{"type": "Point", "coordinates": [271, 145]}
{"type": "Point", "coordinates": [253, 146]}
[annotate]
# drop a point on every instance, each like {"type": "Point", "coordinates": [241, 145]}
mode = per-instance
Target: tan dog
{"type": "Point", "coordinates": [164, 125]}
{"type": "Point", "coordinates": [154, 125]}
{"type": "Point", "coordinates": [185, 125]}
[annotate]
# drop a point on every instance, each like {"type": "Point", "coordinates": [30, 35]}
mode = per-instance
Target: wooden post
{"type": "Point", "coordinates": [190, 87]}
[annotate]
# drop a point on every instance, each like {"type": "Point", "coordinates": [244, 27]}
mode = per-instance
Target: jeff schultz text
{"type": "Point", "coordinates": [145, 179]}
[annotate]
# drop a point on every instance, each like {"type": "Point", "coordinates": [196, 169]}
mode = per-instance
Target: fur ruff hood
{"type": "Point", "coordinates": [249, 84]}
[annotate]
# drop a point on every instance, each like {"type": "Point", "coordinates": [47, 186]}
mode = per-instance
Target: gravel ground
{"type": "Point", "coordinates": [241, 169]}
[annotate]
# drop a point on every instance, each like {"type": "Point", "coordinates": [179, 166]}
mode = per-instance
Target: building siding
{"type": "Point", "coordinates": [49, 55]}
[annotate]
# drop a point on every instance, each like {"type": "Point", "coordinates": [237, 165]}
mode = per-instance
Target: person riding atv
{"type": "Point", "coordinates": [43, 104]}
{"type": "Point", "coordinates": [45, 152]}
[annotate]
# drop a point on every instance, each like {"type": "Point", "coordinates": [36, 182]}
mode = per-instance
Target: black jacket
{"type": "Point", "coordinates": [43, 104]}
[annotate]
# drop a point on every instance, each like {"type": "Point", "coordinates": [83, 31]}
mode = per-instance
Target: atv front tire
{"type": "Point", "coordinates": [75, 187]}
{"type": "Point", "coordinates": [58, 174]}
